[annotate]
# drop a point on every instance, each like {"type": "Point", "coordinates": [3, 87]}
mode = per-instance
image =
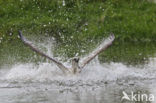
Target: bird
{"type": "Point", "coordinates": [76, 65]}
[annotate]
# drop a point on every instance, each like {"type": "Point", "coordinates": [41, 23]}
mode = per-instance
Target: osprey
{"type": "Point", "coordinates": [76, 66]}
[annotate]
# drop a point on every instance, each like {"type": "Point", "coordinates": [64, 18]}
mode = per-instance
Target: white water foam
{"type": "Point", "coordinates": [94, 72]}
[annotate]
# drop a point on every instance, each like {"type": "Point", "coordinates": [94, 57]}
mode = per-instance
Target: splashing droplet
{"type": "Point", "coordinates": [63, 3]}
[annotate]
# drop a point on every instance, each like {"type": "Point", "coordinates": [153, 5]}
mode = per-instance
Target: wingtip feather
{"type": "Point", "coordinates": [20, 35]}
{"type": "Point", "coordinates": [112, 37]}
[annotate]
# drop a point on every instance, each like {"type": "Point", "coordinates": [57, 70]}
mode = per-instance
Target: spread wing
{"type": "Point", "coordinates": [103, 46]}
{"type": "Point", "coordinates": [59, 64]}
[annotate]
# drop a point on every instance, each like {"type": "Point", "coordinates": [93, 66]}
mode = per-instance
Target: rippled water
{"type": "Point", "coordinates": [98, 83]}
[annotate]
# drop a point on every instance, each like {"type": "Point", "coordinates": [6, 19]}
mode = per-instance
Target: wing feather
{"type": "Point", "coordinates": [59, 64]}
{"type": "Point", "coordinates": [103, 46]}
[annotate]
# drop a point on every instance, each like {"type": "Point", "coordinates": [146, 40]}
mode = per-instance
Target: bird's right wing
{"type": "Point", "coordinates": [103, 46]}
{"type": "Point", "coordinates": [59, 64]}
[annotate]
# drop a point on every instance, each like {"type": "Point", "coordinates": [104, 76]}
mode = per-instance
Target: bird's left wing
{"type": "Point", "coordinates": [103, 46]}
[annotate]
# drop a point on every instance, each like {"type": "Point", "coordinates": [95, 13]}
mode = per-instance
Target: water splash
{"type": "Point", "coordinates": [93, 72]}
{"type": "Point", "coordinates": [28, 81]}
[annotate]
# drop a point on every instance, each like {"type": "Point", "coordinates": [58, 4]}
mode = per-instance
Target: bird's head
{"type": "Point", "coordinates": [76, 59]}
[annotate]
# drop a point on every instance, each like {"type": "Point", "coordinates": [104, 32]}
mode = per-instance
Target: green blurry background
{"type": "Point", "coordinates": [78, 26]}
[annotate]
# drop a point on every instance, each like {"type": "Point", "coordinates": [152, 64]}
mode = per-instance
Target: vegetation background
{"type": "Point", "coordinates": [78, 26]}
